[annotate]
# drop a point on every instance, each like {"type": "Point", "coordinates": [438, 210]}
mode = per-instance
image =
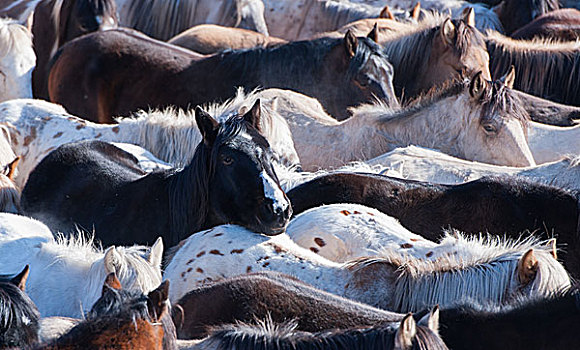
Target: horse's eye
{"type": "Point", "coordinates": [227, 160]}
{"type": "Point", "coordinates": [489, 128]}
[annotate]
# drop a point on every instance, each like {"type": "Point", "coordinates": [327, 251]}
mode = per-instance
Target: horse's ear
{"type": "Point", "coordinates": [350, 44]}
{"type": "Point", "coordinates": [20, 279]}
{"type": "Point", "coordinates": [10, 169]}
{"type": "Point", "coordinates": [431, 320]}
{"type": "Point", "coordinates": [254, 115]}
{"type": "Point", "coordinates": [374, 33]}
{"type": "Point", "coordinates": [416, 11]}
{"type": "Point", "coordinates": [386, 13]}
{"type": "Point", "coordinates": [156, 253]}
{"type": "Point", "coordinates": [406, 333]}
{"type": "Point", "coordinates": [448, 32]}
{"type": "Point", "coordinates": [551, 244]}
{"type": "Point", "coordinates": [477, 85]}
{"type": "Point", "coordinates": [111, 281]}
{"type": "Point", "coordinates": [157, 301]}
{"type": "Point", "coordinates": [468, 15]}
{"type": "Point", "coordinates": [207, 126]}
{"type": "Point", "coordinates": [111, 260]}
{"type": "Point", "coordinates": [509, 78]}
{"type": "Point", "coordinates": [527, 267]}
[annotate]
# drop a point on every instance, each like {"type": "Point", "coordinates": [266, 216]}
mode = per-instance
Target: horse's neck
{"type": "Point", "coordinates": [559, 173]}
{"type": "Point", "coordinates": [549, 143]}
{"type": "Point", "coordinates": [440, 125]}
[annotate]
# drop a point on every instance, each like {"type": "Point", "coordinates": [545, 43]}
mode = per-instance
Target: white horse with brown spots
{"type": "Point", "coordinates": [35, 128]}
{"type": "Point", "coordinates": [498, 271]}
{"type": "Point", "coordinates": [66, 275]}
{"type": "Point", "coordinates": [467, 119]}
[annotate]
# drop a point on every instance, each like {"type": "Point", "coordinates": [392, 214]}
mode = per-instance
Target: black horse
{"type": "Point", "coordinates": [19, 317]}
{"type": "Point", "coordinates": [95, 185]}
{"type": "Point", "coordinates": [498, 205]}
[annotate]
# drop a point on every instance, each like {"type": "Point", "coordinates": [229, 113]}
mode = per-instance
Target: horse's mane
{"type": "Point", "coordinates": [402, 46]}
{"type": "Point", "coordinates": [542, 65]}
{"type": "Point", "coordinates": [540, 7]}
{"type": "Point", "coordinates": [296, 61]}
{"type": "Point", "coordinates": [18, 316]}
{"type": "Point", "coordinates": [339, 13]}
{"type": "Point", "coordinates": [164, 19]}
{"type": "Point", "coordinates": [156, 129]}
{"type": "Point", "coordinates": [468, 273]}
{"type": "Point", "coordinates": [267, 335]}
{"type": "Point", "coordinates": [14, 37]}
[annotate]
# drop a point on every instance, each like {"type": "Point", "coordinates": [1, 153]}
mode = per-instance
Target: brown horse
{"type": "Point", "coordinates": [563, 24]}
{"type": "Point", "coordinates": [546, 69]}
{"type": "Point", "coordinates": [515, 14]}
{"type": "Point", "coordinates": [115, 72]}
{"type": "Point", "coordinates": [56, 22]}
{"type": "Point", "coordinates": [208, 39]}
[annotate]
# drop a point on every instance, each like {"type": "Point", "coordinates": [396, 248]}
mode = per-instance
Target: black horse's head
{"type": "Point", "coordinates": [79, 17]}
{"type": "Point", "coordinates": [242, 187]}
{"type": "Point", "coordinates": [18, 315]}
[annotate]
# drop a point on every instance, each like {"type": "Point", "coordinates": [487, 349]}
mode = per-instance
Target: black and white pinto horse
{"type": "Point", "coordinates": [95, 185]}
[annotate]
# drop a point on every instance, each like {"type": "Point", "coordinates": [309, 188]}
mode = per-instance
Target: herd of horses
{"type": "Point", "coordinates": [325, 174]}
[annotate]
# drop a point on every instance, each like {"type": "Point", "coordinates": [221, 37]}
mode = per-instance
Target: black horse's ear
{"type": "Point", "coordinates": [20, 279]}
{"type": "Point", "coordinates": [157, 301]}
{"type": "Point", "coordinates": [477, 85]}
{"type": "Point", "coordinates": [374, 33]}
{"type": "Point", "coordinates": [350, 44]}
{"type": "Point", "coordinates": [254, 115]}
{"type": "Point", "coordinates": [207, 126]}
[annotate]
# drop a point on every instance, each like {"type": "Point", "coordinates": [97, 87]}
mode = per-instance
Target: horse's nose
{"type": "Point", "coordinates": [279, 214]}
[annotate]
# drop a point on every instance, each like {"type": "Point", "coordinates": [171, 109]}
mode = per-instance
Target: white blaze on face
{"type": "Point", "coordinates": [273, 192]}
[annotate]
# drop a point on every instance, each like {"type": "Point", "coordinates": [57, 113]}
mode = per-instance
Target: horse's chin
{"type": "Point", "coordinates": [260, 227]}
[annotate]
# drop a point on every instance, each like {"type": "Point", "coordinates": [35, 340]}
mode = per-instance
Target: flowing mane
{"type": "Point", "coordinates": [544, 67]}
{"type": "Point", "coordinates": [13, 37]}
{"type": "Point", "coordinates": [467, 274]}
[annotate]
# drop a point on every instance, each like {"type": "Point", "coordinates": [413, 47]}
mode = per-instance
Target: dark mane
{"type": "Point", "coordinates": [544, 68]}
{"type": "Point", "coordinates": [19, 316]}
{"type": "Point", "coordinates": [268, 336]}
{"type": "Point", "coordinates": [189, 204]}
{"type": "Point", "coordinates": [299, 60]}
{"type": "Point", "coordinates": [99, 7]}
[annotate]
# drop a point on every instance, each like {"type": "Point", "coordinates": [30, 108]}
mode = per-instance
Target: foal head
{"type": "Point", "coordinates": [240, 184]}
{"type": "Point", "coordinates": [18, 315]}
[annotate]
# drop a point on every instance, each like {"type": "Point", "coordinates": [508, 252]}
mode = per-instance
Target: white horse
{"type": "Point", "coordinates": [549, 143]}
{"type": "Point", "coordinates": [497, 272]}
{"type": "Point", "coordinates": [423, 164]}
{"type": "Point", "coordinates": [36, 127]}
{"type": "Point", "coordinates": [17, 60]}
{"type": "Point", "coordinates": [66, 275]}
{"type": "Point", "coordinates": [455, 120]}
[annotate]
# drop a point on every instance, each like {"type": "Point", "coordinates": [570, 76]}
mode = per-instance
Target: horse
{"type": "Point", "coordinates": [230, 179]}
{"type": "Point", "coordinates": [394, 281]}
{"type": "Point", "coordinates": [406, 335]}
{"type": "Point", "coordinates": [503, 205]}
{"type": "Point", "coordinates": [550, 143]}
{"type": "Point", "coordinates": [339, 72]}
{"type": "Point", "coordinates": [539, 323]}
{"type": "Point", "coordinates": [471, 119]}
{"type": "Point", "coordinates": [56, 22]}
{"type": "Point", "coordinates": [34, 128]}
{"type": "Point", "coordinates": [72, 268]}
{"type": "Point", "coordinates": [450, 49]}
{"type": "Point", "coordinates": [162, 19]}
{"type": "Point", "coordinates": [422, 164]}
{"type": "Point", "coordinates": [562, 24]}
{"type": "Point", "coordinates": [9, 192]}
{"type": "Point", "coordinates": [17, 60]}
{"type": "Point", "coordinates": [19, 10]}
{"type": "Point", "coordinates": [122, 320]}
{"type": "Point", "coordinates": [19, 317]}
{"type": "Point", "coordinates": [514, 14]}
{"type": "Point", "coordinates": [209, 39]}
{"type": "Point", "coordinates": [544, 68]}
{"type": "Point", "coordinates": [549, 112]}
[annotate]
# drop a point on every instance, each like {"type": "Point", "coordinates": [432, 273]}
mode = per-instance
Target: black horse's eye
{"type": "Point", "coordinates": [227, 160]}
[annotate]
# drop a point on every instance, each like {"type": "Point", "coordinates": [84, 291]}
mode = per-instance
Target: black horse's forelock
{"type": "Point", "coordinates": [189, 203]}
{"type": "Point", "coordinates": [19, 317]}
{"type": "Point", "coordinates": [364, 50]}
{"type": "Point", "coordinates": [99, 7]}
{"type": "Point", "coordinates": [114, 302]}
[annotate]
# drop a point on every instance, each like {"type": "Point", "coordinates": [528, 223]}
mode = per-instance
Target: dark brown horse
{"type": "Point", "coordinates": [503, 206]}
{"type": "Point", "coordinates": [114, 72]}
{"type": "Point", "coordinates": [563, 24]}
{"type": "Point", "coordinates": [515, 14]}
{"type": "Point", "coordinates": [544, 68]}
{"type": "Point", "coordinates": [548, 112]}
{"type": "Point", "coordinates": [56, 22]}
{"type": "Point", "coordinates": [254, 296]}
{"type": "Point", "coordinates": [122, 320]}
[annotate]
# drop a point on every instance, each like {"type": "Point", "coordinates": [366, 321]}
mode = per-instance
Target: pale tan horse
{"type": "Point", "coordinates": [211, 38]}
